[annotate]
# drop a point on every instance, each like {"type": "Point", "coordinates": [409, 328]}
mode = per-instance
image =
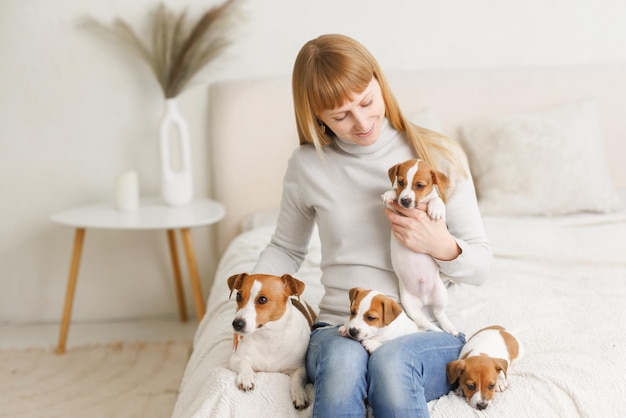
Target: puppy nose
{"type": "Point", "coordinates": [482, 405]}
{"type": "Point", "coordinates": [239, 324]}
{"type": "Point", "coordinates": [405, 202]}
{"type": "Point", "coordinates": [353, 332]}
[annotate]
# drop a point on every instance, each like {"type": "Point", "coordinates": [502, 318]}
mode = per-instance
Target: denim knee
{"type": "Point", "coordinates": [406, 373]}
{"type": "Point", "coordinates": [395, 387]}
{"type": "Point", "coordinates": [337, 366]}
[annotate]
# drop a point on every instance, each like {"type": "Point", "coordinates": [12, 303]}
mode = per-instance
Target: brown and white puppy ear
{"type": "Point", "coordinates": [235, 281]}
{"type": "Point", "coordinates": [454, 369]}
{"type": "Point", "coordinates": [293, 286]}
{"type": "Point", "coordinates": [442, 181]}
{"type": "Point", "coordinates": [393, 172]}
{"type": "Point", "coordinates": [391, 310]}
{"type": "Point", "coordinates": [501, 365]}
{"type": "Point", "coordinates": [354, 292]}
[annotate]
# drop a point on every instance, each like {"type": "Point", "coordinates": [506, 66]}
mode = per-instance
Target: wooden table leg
{"type": "Point", "coordinates": [71, 287]}
{"type": "Point", "coordinates": [194, 276]}
{"type": "Point", "coordinates": [178, 283]}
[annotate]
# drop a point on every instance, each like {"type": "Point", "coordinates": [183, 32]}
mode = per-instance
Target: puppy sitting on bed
{"type": "Point", "coordinates": [271, 331]}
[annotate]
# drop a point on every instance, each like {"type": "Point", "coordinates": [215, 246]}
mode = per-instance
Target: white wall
{"type": "Point", "coordinates": [76, 111]}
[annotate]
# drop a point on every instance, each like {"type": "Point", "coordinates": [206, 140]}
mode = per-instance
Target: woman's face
{"type": "Point", "coordinates": [359, 119]}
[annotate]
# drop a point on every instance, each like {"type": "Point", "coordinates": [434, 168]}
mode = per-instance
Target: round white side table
{"type": "Point", "coordinates": [152, 214]}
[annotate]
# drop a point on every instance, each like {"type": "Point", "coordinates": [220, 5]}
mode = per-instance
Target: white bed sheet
{"type": "Point", "coordinates": [560, 283]}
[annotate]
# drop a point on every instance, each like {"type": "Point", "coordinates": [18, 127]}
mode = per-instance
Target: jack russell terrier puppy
{"type": "Point", "coordinates": [375, 319]}
{"type": "Point", "coordinates": [483, 364]}
{"type": "Point", "coordinates": [415, 182]}
{"type": "Point", "coordinates": [271, 331]}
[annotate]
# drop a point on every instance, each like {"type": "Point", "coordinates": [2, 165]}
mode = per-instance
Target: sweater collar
{"type": "Point", "coordinates": [387, 133]}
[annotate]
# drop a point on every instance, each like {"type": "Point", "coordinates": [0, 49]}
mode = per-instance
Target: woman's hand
{"type": "Point", "coordinates": [416, 231]}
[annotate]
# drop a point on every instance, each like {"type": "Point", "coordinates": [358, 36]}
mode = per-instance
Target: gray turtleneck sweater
{"type": "Point", "coordinates": [340, 192]}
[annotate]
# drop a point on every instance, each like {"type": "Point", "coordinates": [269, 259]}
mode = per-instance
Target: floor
{"type": "Point", "coordinates": [46, 335]}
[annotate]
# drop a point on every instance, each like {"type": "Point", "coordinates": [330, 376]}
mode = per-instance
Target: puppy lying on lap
{"type": "Point", "coordinates": [375, 319]}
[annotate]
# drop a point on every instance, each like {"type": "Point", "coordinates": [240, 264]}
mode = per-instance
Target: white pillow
{"type": "Point", "coordinates": [544, 163]}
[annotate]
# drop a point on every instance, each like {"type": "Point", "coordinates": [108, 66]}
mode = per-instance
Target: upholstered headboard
{"type": "Point", "coordinates": [252, 128]}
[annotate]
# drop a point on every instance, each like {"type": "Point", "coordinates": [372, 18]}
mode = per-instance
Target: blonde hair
{"type": "Point", "coordinates": [329, 70]}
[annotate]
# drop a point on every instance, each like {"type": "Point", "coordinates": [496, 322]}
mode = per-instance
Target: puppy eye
{"type": "Point", "coordinates": [370, 318]}
{"type": "Point", "coordinates": [491, 386]}
{"type": "Point", "coordinates": [239, 298]}
{"type": "Point", "coordinates": [262, 300]}
{"type": "Point", "coordinates": [352, 312]}
{"type": "Point", "coordinates": [401, 182]}
{"type": "Point", "coordinates": [419, 186]}
{"type": "Point", "coordinates": [471, 386]}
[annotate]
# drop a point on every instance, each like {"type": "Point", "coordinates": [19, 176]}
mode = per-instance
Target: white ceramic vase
{"type": "Point", "coordinates": [175, 153]}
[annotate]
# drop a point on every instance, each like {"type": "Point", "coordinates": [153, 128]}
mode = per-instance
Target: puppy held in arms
{"type": "Point", "coordinates": [271, 331]}
{"type": "Point", "coordinates": [375, 319]}
{"type": "Point", "coordinates": [414, 182]}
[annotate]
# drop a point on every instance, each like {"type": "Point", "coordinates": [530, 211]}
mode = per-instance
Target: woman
{"type": "Point", "coordinates": [351, 131]}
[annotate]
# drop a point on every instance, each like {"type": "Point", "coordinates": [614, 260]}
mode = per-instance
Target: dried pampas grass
{"type": "Point", "coordinates": [177, 51]}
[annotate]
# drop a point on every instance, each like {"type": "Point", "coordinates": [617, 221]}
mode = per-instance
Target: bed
{"type": "Point", "coordinates": [559, 272]}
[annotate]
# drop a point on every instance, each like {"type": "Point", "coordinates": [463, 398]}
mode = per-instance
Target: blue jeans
{"type": "Point", "coordinates": [396, 380]}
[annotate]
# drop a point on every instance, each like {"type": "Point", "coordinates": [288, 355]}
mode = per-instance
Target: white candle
{"type": "Point", "coordinates": [127, 191]}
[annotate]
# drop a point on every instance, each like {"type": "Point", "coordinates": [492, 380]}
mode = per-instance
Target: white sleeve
{"type": "Point", "coordinates": [465, 224]}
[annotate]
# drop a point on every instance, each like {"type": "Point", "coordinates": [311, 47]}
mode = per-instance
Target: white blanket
{"type": "Point", "coordinates": [560, 283]}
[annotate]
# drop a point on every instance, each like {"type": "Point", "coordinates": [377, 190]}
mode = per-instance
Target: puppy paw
{"type": "Point", "coordinates": [245, 381]}
{"type": "Point", "coordinates": [298, 388]}
{"type": "Point", "coordinates": [501, 385]}
{"type": "Point", "coordinates": [436, 209]}
{"type": "Point", "coordinates": [450, 329]}
{"type": "Point", "coordinates": [343, 331]}
{"type": "Point", "coordinates": [389, 196]}
{"type": "Point", "coordinates": [300, 399]}
{"type": "Point", "coordinates": [370, 345]}
{"type": "Point", "coordinates": [427, 326]}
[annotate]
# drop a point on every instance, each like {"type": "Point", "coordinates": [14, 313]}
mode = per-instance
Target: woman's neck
{"type": "Point", "coordinates": [387, 132]}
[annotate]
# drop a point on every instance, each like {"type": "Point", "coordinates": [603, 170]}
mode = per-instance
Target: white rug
{"type": "Point", "coordinates": [116, 380]}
